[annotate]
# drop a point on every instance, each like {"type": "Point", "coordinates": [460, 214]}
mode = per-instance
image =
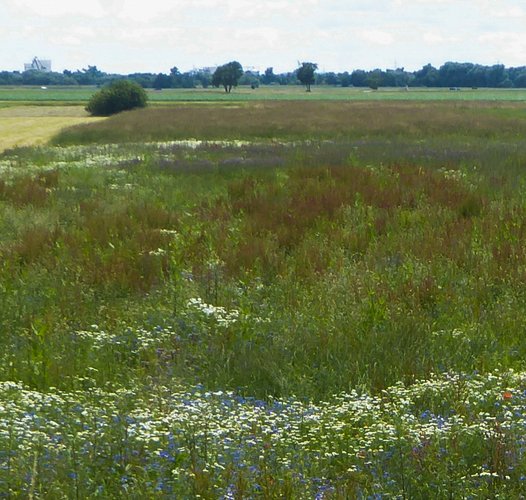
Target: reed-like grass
{"type": "Point", "coordinates": [306, 120]}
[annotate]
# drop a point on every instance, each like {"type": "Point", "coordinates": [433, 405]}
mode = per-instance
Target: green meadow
{"type": "Point", "coordinates": [268, 298]}
{"type": "Point", "coordinates": [79, 95]}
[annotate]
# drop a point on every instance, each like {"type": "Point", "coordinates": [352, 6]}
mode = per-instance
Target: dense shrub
{"type": "Point", "coordinates": [120, 95]}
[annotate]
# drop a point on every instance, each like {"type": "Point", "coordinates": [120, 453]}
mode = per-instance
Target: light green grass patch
{"type": "Point", "coordinates": [56, 95]}
{"type": "Point", "coordinates": [33, 125]}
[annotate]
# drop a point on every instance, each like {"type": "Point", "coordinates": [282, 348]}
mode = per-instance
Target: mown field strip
{"type": "Point", "coordinates": [34, 125]}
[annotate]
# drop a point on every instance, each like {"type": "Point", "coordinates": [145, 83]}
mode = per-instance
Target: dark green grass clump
{"type": "Point", "coordinates": [120, 95]}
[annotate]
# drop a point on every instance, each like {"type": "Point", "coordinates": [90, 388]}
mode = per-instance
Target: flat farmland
{"type": "Point", "coordinates": [75, 95]}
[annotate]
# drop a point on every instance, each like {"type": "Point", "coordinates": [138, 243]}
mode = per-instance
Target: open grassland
{"type": "Point", "coordinates": [306, 300]}
{"type": "Point", "coordinates": [80, 95]}
{"type": "Point", "coordinates": [33, 125]}
{"type": "Point", "coordinates": [336, 121]}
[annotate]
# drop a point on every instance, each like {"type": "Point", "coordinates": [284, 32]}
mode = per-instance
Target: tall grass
{"type": "Point", "coordinates": [344, 275]}
{"type": "Point", "coordinates": [306, 120]}
{"type": "Point", "coordinates": [151, 291]}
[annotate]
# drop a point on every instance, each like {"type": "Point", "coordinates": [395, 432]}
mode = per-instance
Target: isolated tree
{"type": "Point", "coordinates": [305, 74]}
{"type": "Point", "coordinates": [120, 95]}
{"type": "Point", "coordinates": [227, 75]}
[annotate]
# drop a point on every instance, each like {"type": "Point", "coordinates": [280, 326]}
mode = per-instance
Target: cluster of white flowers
{"type": "Point", "coordinates": [133, 339]}
{"type": "Point", "coordinates": [454, 175]}
{"type": "Point", "coordinates": [159, 252]}
{"type": "Point", "coordinates": [169, 232]}
{"type": "Point", "coordinates": [107, 155]}
{"type": "Point", "coordinates": [197, 143]}
{"type": "Point", "coordinates": [113, 155]}
{"type": "Point", "coordinates": [451, 419]}
{"type": "Point", "coordinates": [219, 314]}
{"type": "Point", "coordinates": [126, 187]}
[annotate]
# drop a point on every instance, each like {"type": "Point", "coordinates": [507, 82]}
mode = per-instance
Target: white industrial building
{"type": "Point", "coordinates": [38, 65]}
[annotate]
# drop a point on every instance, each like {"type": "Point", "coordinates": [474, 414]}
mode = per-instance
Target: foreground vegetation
{"type": "Point", "coordinates": [447, 437]}
{"type": "Point", "coordinates": [332, 307]}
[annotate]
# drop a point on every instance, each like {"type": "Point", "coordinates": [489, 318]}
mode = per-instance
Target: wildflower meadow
{"type": "Point", "coordinates": [326, 303]}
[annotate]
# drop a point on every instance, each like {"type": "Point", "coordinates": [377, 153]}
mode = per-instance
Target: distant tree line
{"type": "Point", "coordinates": [450, 74]}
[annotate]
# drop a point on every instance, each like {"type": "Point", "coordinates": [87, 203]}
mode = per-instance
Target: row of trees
{"type": "Point", "coordinates": [450, 74]}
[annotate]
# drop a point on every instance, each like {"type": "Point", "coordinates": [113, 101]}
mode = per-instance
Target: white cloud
{"type": "Point", "coordinates": [251, 9]}
{"type": "Point", "coordinates": [57, 8]}
{"type": "Point", "coordinates": [259, 37]}
{"type": "Point", "coordinates": [512, 12]}
{"type": "Point", "coordinates": [76, 35]}
{"type": "Point", "coordinates": [505, 47]}
{"type": "Point", "coordinates": [338, 34]}
{"type": "Point", "coordinates": [375, 36]}
{"type": "Point", "coordinates": [142, 12]}
{"type": "Point", "coordinates": [434, 37]}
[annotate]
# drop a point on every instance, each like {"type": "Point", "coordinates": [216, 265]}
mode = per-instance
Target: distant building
{"type": "Point", "coordinates": [206, 69]}
{"type": "Point", "coordinates": [38, 65]}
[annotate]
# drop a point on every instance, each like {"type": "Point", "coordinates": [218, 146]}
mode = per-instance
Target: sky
{"type": "Point", "coordinates": [127, 36]}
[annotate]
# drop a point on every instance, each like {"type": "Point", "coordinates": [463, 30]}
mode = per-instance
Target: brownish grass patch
{"type": "Point", "coordinates": [300, 119]}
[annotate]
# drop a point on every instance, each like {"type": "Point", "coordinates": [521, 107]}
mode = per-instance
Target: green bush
{"type": "Point", "coordinates": [120, 95]}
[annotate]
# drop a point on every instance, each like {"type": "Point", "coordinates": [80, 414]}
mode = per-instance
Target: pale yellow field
{"type": "Point", "coordinates": [33, 125]}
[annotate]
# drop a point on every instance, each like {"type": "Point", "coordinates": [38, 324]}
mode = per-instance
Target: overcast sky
{"type": "Point", "coordinates": [125, 36]}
